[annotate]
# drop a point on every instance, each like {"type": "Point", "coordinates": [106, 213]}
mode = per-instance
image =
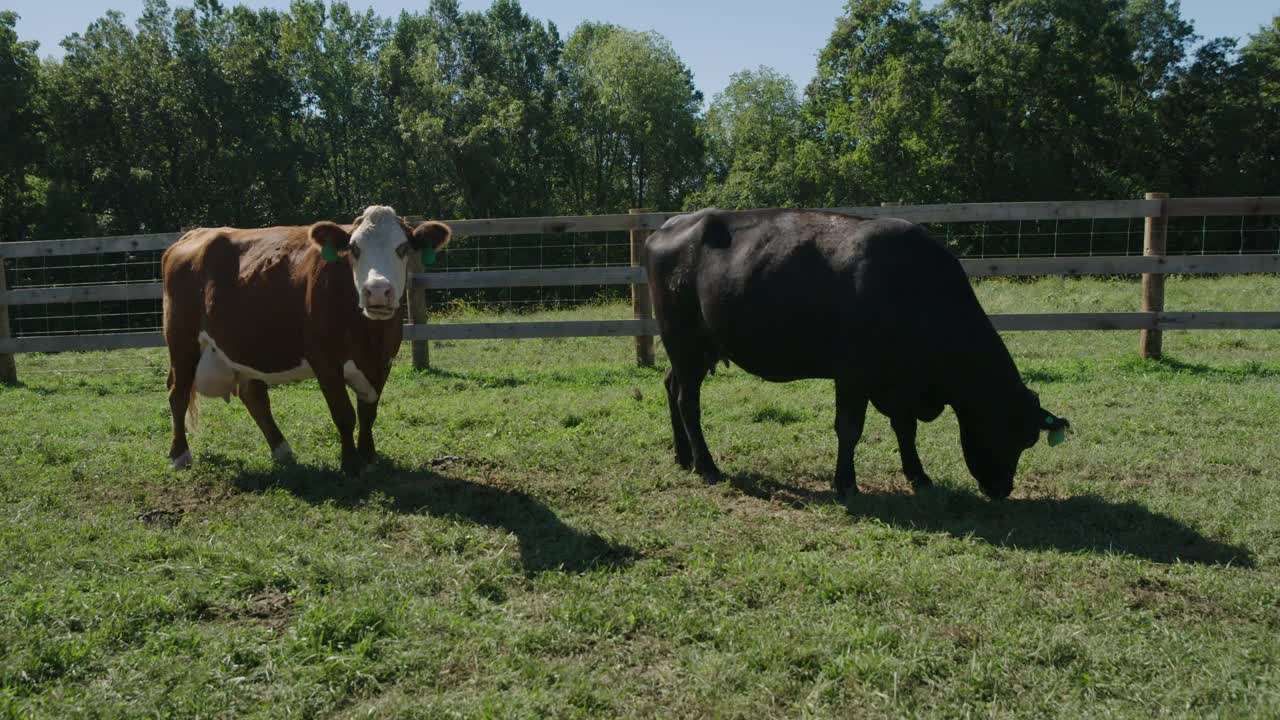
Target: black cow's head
{"type": "Point", "coordinates": [994, 437]}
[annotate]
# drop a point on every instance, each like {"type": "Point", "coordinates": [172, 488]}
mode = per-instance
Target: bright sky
{"type": "Point", "coordinates": [714, 37]}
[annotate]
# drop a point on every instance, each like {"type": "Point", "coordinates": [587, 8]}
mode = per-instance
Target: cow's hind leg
{"type": "Point", "coordinates": [689, 402]}
{"type": "Point", "coordinates": [851, 415]}
{"type": "Point", "coordinates": [254, 395]}
{"type": "Point", "coordinates": [904, 426]}
{"type": "Point", "coordinates": [183, 358]}
{"type": "Point", "coordinates": [679, 436]}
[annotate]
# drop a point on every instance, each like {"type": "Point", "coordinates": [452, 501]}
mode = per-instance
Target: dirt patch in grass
{"type": "Point", "coordinates": [271, 607]}
{"type": "Point", "coordinates": [160, 518]}
{"type": "Point", "coordinates": [184, 499]}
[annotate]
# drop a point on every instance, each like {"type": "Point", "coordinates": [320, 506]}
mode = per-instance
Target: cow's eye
{"type": "Point", "coordinates": [402, 249]}
{"type": "Point", "coordinates": [355, 251]}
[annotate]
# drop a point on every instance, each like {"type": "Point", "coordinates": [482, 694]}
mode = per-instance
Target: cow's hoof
{"type": "Point", "coordinates": [844, 485]}
{"type": "Point", "coordinates": [182, 462]}
{"type": "Point", "coordinates": [919, 481]}
{"type": "Point", "coordinates": [711, 477]}
{"type": "Point", "coordinates": [684, 463]}
{"type": "Point", "coordinates": [353, 467]}
{"type": "Point", "coordinates": [283, 454]}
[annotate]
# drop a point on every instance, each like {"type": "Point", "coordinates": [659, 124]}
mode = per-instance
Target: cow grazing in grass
{"type": "Point", "coordinates": [246, 309]}
{"type": "Point", "coordinates": [876, 305]}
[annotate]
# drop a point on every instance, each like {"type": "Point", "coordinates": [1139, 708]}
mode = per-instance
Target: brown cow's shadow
{"type": "Point", "coordinates": [545, 541]}
{"type": "Point", "coordinates": [1086, 523]}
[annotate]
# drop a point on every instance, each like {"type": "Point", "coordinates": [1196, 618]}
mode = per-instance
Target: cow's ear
{"type": "Point", "coordinates": [430, 235]}
{"type": "Point", "coordinates": [330, 236]}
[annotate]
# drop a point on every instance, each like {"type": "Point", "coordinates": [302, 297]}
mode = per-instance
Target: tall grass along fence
{"type": "Point", "coordinates": [104, 293]}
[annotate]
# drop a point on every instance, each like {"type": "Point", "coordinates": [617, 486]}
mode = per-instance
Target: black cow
{"type": "Point", "coordinates": [876, 305]}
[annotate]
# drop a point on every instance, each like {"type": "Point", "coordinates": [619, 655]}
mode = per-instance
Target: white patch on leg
{"type": "Point", "coordinates": [282, 453]}
{"type": "Point", "coordinates": [359, 383]}
{"type": "Point", "coordinates": [183, 461]}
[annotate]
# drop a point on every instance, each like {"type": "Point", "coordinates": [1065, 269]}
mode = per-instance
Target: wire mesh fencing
{"type": "Point", "coordinates": [1109, 237]}
{"type": "Point", "coordinates": [84, 318]}
{"type": "Point", "coordinates": [532, 252]}
{"type": "Point", "coordinates": [1045, 238]}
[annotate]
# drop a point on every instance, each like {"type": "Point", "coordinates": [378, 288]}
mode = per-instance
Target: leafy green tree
{"type": "Point", "coordinates": [240, 163]}
{"type": "Point", "coordinates": [189, 120]}
{"type": "Point", "coordinates": [756, 139]}
{"type": "Point", "coordinates": [474, 94]}
{"type": "Point", "coordinates": [1159, 37]}
{"type": "Point", "coordinates": [209, 115]}
{"type": "Point", "coordinates": [628, 122]}
{"type": "Point", "coordinates": [996, 99]}
{"type": "Point", "coordinates": [1033, 87]}
{"type": "Point", "coordinates": [1260, 93]}
{"type": "Point", "coordinates": [1203, 124]}
{"type": "Point", "coordinates": [101, 130]}
{"type": "Point", "coordinates": [878, 102]}
{"type": "Point", "coordinates": [21, 118]}
{"type": "Point", "coordinates": [347, 120]}
{"type": "Point", "coordinates": [1218, 136]}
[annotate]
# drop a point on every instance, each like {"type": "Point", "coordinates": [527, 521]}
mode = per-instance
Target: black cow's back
{"type": "Point", "coordinates": [794, 294]}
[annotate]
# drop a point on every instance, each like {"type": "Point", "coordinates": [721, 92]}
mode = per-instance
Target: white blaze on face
{"type": "Point", "coordinates": [380, 251]}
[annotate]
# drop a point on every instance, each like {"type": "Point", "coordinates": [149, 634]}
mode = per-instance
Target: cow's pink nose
{"type": "Point", "coordinates": [379, 292]}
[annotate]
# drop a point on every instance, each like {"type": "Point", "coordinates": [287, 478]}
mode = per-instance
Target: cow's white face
{"type": "Point", "coordinates": [379, 247]}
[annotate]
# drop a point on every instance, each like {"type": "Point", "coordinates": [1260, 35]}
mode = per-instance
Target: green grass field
{"type": "Point", "coordinates": [528, 548]}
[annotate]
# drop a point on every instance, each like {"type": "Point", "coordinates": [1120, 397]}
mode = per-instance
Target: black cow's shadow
{"type": "Point", "coordinates": [1085, 523]}
{"type": "Point", "coordinates": [767, 488]}
{"type": "Point", "coordinates": [545, 541]}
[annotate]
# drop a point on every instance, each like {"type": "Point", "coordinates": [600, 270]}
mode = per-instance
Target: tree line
{"type": "Point", "coordinates": [214, 115]}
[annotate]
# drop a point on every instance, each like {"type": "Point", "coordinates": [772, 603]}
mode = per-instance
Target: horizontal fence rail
{"type": "Point", "coordinates": [480, 279]}
{"type": "Point", "coordinates": [1154, 210]}
{"type": "Point", "coordinates": [961, 212]}
{"type": "Point", "coordinates": [1011, 322]}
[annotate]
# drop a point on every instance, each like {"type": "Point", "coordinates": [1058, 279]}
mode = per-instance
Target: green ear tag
{"type": "Point", "coordinates": [328, 253]}
{"type": "Point", "coordinates": [429, 256]}
{"type": "Point", "coordinates": [1057, 437]}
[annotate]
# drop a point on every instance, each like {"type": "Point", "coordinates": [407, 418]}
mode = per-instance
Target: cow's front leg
{"type": "Point", "coordinates": [851, 415]}
{"type": "Point", "coordinates": [904, 426]}
{"type": "Point", "coordinates": [367, 396]}
{"type": "Point", "coordinates": [367, 413]}
{"type": "Point", "coordinates": [334, 388]}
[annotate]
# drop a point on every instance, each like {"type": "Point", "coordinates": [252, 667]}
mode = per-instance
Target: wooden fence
{"type": "Point", "coordinates": [1153, 265]}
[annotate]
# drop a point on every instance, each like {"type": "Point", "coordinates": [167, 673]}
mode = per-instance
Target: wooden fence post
{"type": "Point", "coordinates": [641, 303]}
{"type": "Point", "coordinates": [1154, 242]}
{"type": "Point", "coordinates": [418, 315]}
{"type": "Point", "coordinates": [8, 368]}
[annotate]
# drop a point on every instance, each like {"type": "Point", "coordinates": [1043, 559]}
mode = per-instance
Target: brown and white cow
{"type": "Point", "coordinates": [246, 309]}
